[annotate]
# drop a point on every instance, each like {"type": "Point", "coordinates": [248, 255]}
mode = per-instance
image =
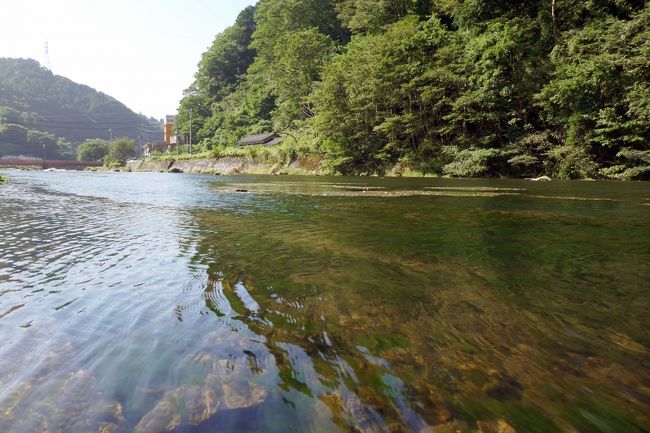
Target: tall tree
{"type": "Point", "coordinates": [598, 97]}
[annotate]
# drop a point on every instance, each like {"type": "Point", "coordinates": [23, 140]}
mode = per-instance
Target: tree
{"type": "Point", "coordinates": [382, 99]}
{"type": "Point", "coordinates": [228, 58]}
{"type": "Point", "coordinates": [120, 150]}
{"type": "Point", "coordinates": [274, 18]}
{"type": "Point", "coordinates": [598, 98]}
{"type": "Point", "coordinates": [293, 40]}
{"type": "Point", "coordinates": [300, 57]}
{"type": "Point", "coordinates": [371, 15]}
{"type": "Point", "coordinates": [92, 150]}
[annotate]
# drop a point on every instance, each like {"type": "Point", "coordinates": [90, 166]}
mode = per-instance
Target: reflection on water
{"type": "Point", "coordinates": [162, 303]}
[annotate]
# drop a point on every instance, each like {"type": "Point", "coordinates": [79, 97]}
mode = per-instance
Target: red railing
{"type": "Point", "coordinates": [47, 164]}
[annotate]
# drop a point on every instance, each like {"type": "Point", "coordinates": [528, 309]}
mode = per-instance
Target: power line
{"type": "Point", "coordinates": [80, 134]}
{"type": "Point", "coordinates": [74, 125]}
{"type": "Point", "coordinates": [56, 122]}
{"type": "Point", "coordinates": [83, 128]}
{"type": "Point", "coordinates": [84, 117]}
{"type": "Point", "coordinates": [92, 114]}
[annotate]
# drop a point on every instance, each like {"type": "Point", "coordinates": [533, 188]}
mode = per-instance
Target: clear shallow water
{"type": "Point", "coordinates": [160, 303]}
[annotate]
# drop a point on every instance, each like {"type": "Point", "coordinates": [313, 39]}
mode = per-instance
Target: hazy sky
{"type": "Point", "coordinates": [142, 52]}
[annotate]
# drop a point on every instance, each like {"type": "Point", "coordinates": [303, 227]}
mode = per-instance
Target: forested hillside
{"type": "Point", "coordinates": [461, 88]}
{"type": "Point", "coordinates": [38, 108]}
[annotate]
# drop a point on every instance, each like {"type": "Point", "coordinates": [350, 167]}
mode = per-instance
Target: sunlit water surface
{"type": "Point", "coordinates": [179, 303]}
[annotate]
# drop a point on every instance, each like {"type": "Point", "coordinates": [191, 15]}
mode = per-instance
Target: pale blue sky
{"type": "Point", "coordinates": [142, 52]}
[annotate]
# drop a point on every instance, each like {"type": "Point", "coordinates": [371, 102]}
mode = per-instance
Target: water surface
{"type": "Point", "coordinates": [180, 303]}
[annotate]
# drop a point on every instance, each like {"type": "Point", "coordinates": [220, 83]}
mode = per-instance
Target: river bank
{"type": "Point", "coordinates": [306, 165]}
{"type": "Point", "coordinates": [311, 165]}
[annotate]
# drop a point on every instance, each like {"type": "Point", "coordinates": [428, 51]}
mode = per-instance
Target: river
{"type": "Point", "coordinates": [149, 302]}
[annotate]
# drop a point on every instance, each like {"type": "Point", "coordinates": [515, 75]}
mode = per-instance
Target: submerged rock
{"type": "Point", "coordinates": [438, 406]}
{"type": "Point", "coordinates": [498, 426]}
{"type": "Point", "coordinates": [503, 387]}
{"type": "Point", "coordinates": [79, 407]}
{"type": "Point", "coordinates": [350, 409]}
{"type": "Point", "coordinates": [200, 404]}
{"type": "Point", "coordinates": [164, 417]}
{"type": "Point", "coordinates": [450, 427]}
{"type": "Point", "coordinates": [193, 405]}
{"type": "Point", "coordinates": [239, 395]}
{"type": "Point", "coordinates": [108, 428]}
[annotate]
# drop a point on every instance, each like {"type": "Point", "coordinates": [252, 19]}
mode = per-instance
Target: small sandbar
{"type": "Point", "coordinates": [472, 188]}
{"type": "Point", "coordinates": [555, 197]}
{"type": "Point", "coordinates": [375, 193]}
{"type": "Point", "coordinates": [297, 186]}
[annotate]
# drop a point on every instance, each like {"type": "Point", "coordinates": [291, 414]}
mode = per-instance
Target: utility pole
{"type": "Point", "coordinates": [110, 136]}
{"type": "Point", "coordinates": [190, 131]}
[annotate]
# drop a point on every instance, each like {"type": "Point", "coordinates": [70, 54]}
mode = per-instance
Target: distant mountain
{"type": "Point", "coordinates": [38, 108]}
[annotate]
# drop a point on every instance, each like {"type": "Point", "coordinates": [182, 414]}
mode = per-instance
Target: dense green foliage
{"type": "Point", "coordinates": [92, 150]}
{"type": "Point", "coordinates": [461, 88]}
{"type": "Point", "coordinates": [119, 151]}
{"type": "Point", "coordinates": [38, 108]}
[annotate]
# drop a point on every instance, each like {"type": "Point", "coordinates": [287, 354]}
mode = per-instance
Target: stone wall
{"type": "Point", "coordinates": [228, 166]}
{"type": "Point", "coordinates": [148, 165]}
